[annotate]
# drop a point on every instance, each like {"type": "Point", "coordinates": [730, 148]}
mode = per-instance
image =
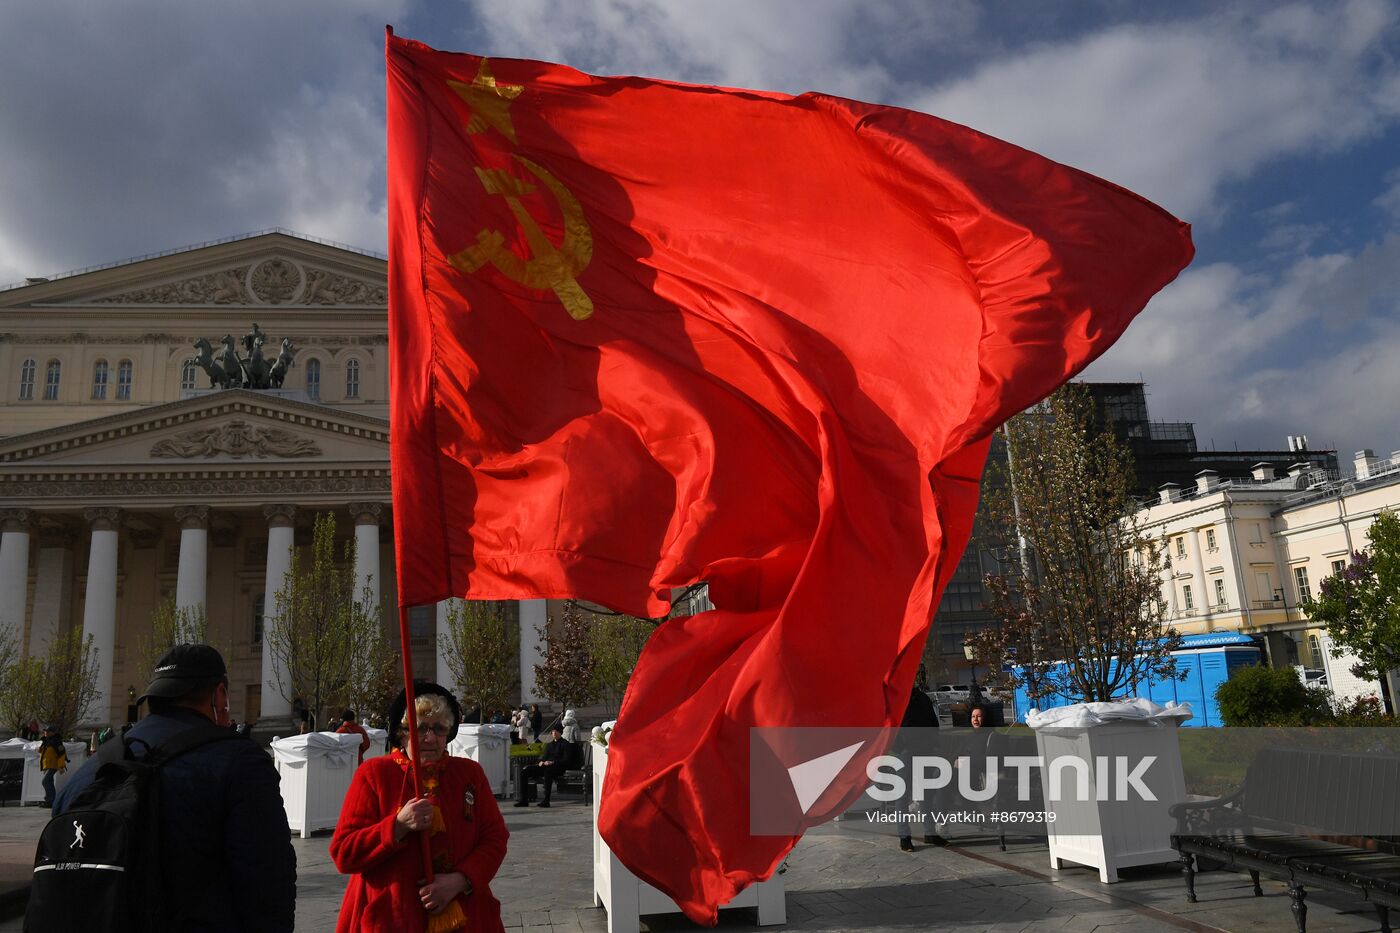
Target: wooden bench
{"type": "Point", "coordinates": [1301, 816]}
{"type": "Point", "coordinates": [580, 771]}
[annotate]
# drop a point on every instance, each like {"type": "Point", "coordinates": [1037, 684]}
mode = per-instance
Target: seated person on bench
{"type": "Point", "coordinates": [558, 757]}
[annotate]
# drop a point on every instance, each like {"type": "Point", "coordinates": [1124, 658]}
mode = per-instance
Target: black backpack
{"type": "Point", "coordinates": [97, 865]}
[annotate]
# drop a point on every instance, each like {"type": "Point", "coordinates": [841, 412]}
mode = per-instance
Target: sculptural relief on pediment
{"type": "Point", "coordinates": [213, 288]}
{"type": "Point", "coordinates": [273, 281]}
{"type": "Point", "coordinates": [328, 288]}
{"type": "Point", "coordinates": [236, 439]}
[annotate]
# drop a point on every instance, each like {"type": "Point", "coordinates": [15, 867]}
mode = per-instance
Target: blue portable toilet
{"type": "Point", "coordinates": [1207, 662]}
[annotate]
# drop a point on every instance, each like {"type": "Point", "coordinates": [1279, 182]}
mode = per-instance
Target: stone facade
{"type": "Point", "coordinates": [125, 479]}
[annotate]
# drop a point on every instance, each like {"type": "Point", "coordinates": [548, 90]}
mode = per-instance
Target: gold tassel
{"type": "Point", "coordinates": [438, 824]}
{"type": "Point", "coordinates": [450, 919]}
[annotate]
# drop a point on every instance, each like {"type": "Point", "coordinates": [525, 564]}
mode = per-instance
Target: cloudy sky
{"type": "Point", "coordinates": [129, 128]}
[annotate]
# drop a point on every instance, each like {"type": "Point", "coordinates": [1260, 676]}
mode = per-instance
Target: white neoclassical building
{"type": "Point", "coordinates": [1246, 553]}
{"type": "Point", "coordinates": [126, 479]}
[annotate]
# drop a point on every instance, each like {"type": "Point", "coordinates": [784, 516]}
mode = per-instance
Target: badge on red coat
{"type": "Point", "coordinates": [468, 803]}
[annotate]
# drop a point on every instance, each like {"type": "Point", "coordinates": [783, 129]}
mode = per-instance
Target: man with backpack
{"type": "Point", "coordinates": [214, 852]}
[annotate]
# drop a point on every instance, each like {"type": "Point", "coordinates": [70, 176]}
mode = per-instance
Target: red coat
{"type": "Point", "coordinates": [382, 896]}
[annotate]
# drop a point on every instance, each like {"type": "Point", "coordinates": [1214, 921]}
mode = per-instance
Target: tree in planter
{"type": "Point", "coordinates": [616, 643]}
{"type": "Point", "coordinates": [1360, 606]}
{"type": "Point", "coordinates": [63, 686]}
{"type": "Point", "coordinates": [1094, 602]}
{"type": "Point", "coordinates": [11, 673]}
{"type": "Point", "coordinates": [567, 674]}
{"type": "Point", "coordinates": [322, 631]}
{"type": "Point", "coordinates": [376, 676]}
{"type": "Point", "coordinates": [482, 653]}
{"type": "Point", "coordinates": [170, 626]}
{"type": "Point", "coordinates": [19, 693]}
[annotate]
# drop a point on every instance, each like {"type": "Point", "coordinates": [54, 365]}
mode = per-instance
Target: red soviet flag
{"type": "Point", "coordinates": [646, 333]}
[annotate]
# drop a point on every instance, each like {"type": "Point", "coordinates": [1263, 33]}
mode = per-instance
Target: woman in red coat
{"type": "Point", "coordinates": [377, 839]}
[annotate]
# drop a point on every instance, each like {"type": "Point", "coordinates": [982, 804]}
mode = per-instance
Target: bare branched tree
{"type": "Point", "coordinates": [1087, 625]}
{"type": "Point", "coordinates": [566, 676]}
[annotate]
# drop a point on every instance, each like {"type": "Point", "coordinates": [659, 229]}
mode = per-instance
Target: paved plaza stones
{"type": "Point", "coordinates": [837, 880]}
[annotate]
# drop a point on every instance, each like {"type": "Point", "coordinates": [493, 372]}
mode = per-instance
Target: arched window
{"type": "Point", "coordinates": [352, 379]}
{"type": "Point", "coordinates": [187, 376]}
{"type": "Point", "coordinates": [52, 373]}
{"type": "Point", "coordinates": [99, 379]}
{"type": "Point", "coordinates": [124, 380]}
{"type": "Point", "coordinates": [26, 381]}
{"type": "Point", "coordinates": [313, 379]}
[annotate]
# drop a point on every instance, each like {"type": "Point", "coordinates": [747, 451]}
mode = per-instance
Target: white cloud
{"type": "Point", "coordinates": [134, 127]}
{"type": "Point", "coordinates": [836, 46]}
{"type": "Point", "coordinates": [1252, 359]}
{"type": "Point", "coordinates": [1175, 111]}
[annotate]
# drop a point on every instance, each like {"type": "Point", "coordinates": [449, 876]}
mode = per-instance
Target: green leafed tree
{"type": "Point", "coordinates": [63, 686]}
{"type": "Point", "coordinates": [482, 651]}
{"type": "Point", "coordinates": [1360, 606]}
{"type": "Point", "coordinates": [325, 636]}
{"type": "Point", "coordinates": [20, 681]}
{"type": "Point", "coordinates": [616, 643]}
{"type": "Point", "coordinates": [1089, 595]}
{"type": "Point", "coordinates": [567, 674]}
{"type": "Point", "coordinates": [170, 626]}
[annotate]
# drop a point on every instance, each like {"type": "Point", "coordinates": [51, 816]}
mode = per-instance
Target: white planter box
{"type": "Point", "coordinates": [32, 788]}
{"type": "Point", "coordinates": [377, 738]}
{"type": "Point", "coordinates": [315, 769]}
{"type": "Point", "coordinates": [489, 746]}
{"type": "Point", "coordinates": [1113, 834]}
{"type": "Point", "coordinates": [626, 898]}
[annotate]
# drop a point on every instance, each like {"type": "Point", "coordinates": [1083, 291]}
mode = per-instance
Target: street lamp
{"type": "Point", "coordinates": [974, 696]}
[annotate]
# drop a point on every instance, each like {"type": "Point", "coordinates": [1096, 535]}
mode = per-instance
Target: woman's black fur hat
{"type": "Point", "coordinates": [399, 706]}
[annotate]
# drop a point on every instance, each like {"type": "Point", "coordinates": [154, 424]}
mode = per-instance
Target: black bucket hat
{"type": "Point", "coordinates": [400, 706]}
{"type": "Point", "coordinates": [182, 669]}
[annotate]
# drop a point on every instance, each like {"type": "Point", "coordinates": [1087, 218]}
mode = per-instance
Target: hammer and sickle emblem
{"type": "Point", "coordinates": [549, 267]}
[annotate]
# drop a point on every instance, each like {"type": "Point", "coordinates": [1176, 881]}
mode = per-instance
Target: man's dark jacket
{"type": "Point", "coordinates": [561, 753]}
{"type": "Point", "coordinates": [229, 864]}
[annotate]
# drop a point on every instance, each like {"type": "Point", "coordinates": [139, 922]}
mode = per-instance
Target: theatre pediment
{"type": "Point", "coordinates": [269, 270]}
{"type": "Point", "coordinates": [236, 426]}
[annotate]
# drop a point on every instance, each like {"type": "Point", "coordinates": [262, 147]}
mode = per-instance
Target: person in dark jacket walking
{"type": "Point", "coordinates": [919, 714]}
{"type": "Point", "coordinates": [226, 850]}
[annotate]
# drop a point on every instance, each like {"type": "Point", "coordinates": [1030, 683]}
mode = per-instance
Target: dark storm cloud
{"type": "Point", "coordinates": [137, 126]}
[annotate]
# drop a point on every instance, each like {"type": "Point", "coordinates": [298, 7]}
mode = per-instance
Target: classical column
{"type": "Point", "coordinates": [100, 606]}
{"type": "Point", "coordinates": [366, 515]}
{"type": "Point", "coordinates": [1202, 596]}
{"type": "Point", "coordinates": [533, 616]}
{"type": "Point", "coordinates": [14, 572]}
{"type": "Point", "coordinates": [53, 588]}
{"type": "Point", "coordinates": [444, 673]}
{"type": "Point", "coordinates": [281, 532]}
{"type": "Point", "coordinates": [191, 584]}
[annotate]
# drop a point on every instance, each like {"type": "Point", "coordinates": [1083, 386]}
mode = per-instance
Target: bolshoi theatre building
{"type": "Point", "coordinates": [170, 426]}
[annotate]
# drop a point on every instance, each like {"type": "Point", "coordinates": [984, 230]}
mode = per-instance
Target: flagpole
{"type": "Point", "coordinates": [407, 653]}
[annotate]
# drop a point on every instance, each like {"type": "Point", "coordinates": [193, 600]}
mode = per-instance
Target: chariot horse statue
{"type": "Point", "coordinates": [278, 371]}
{"type": "Point", "coordinates": [233, 366]}
{"type": "Point", "coordinates": [218, 379]}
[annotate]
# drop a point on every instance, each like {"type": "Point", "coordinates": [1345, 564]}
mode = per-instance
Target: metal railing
{"type": "Point", "coordinates": [38, 280]}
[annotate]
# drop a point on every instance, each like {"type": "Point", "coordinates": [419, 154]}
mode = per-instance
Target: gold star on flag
{"type": "Point", "coordinates": [490, 102]}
